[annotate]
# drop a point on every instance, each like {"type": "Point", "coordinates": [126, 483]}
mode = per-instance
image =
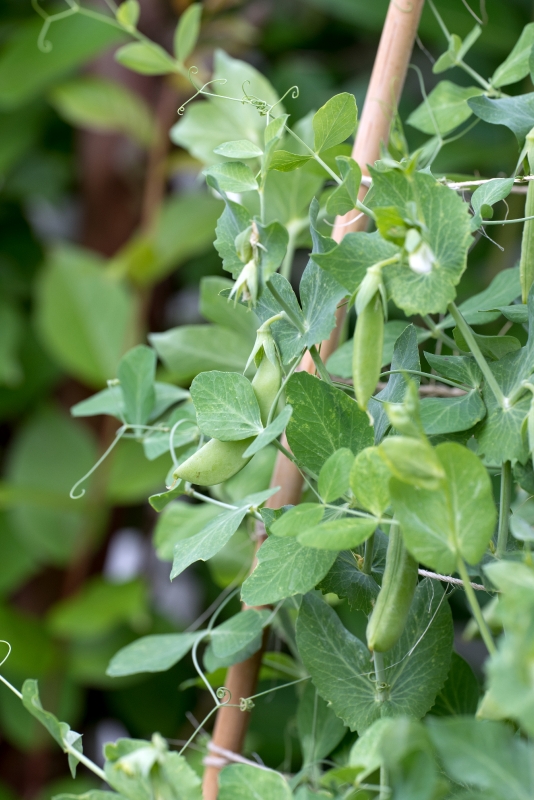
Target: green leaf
{"type": "Point", "coordinates": [517, 313]}
{"type": "Point", "coordinates": [516, 66]}
{"type": "Point", "coordinates": [494, 347]}
{"type": "Point", "coordinates": [335, 121]}
{"type": "Point", "coordinates": [285, 568]}
{"type": "Point", "coordinates": [155, 653]}
{"type": "Point", "coordinates": [136, 373]}
{"type": "Point", "coordinates": [180, 521]}
{"type": "Point", "coordinates": [484, 755]}
{"type": "Point", "coordinates": [347, 581]}
{"type": "Point", "coordinates": [339, 663]}
{"type": "Point", "coordinates": [108, 401]}
{"type": "Point", "coordinates": [239, 149]}
{"type": "Point", "coordinates": [161, 500]}
{"type": "Point", "coordinates": [26, 70]}
{"type": "Point", "coordinates": [243, 782]}
{"type": "Point", "coordinates": [456, 520]}
{"type": "Point", "coordinates": [226, 406]}
{"type": "Point", "coordinates": [334, 477]}
{"type": "Point", "coordinates": [98, 608]}
{"type": "Point", "coordinates": [480, 308]}
{"type": "Point", "coordinates": [85, 319]}
{"type": "Point", "coordinates": [369, 481]}
{"type": "Point", "coordinates": [338, 534]}
{"type": "Point", "coordinates": [128, 14]}
{"type": "Point", "coordinates": [132, 477]}
{"type": "Point", "coordinates": [216, 308]}
{"type": "Point", "coordinates": [233, 176]}
{"type": "Point", "coordinates": [145, 57]}
{"type": "Point", "coordinates": [460, 693]}
{"type": "Point", "coordinates": [491, 192]}
{"type": "Point", "coordinates": [366, 751]}
{"type": "Point", "coordinates": [190, 349]}
{"type": "Point", "coordinates": [209, 541]}
{"type": "Point", "coordinates": [103, 105]}
{"type": "Point", "coordinates": [283, 161]}
{"type": "Point", "coordinates": [93, 794]}
{"type": "Point", "coordinates": [343, 199]}
{"type": "Point", "coordinates": [348, 261]}
{"type": "Point", "coordinates": [320, 731]}
{"type": "Point", "coordinates": [270, 433]}
{"type": "Point", "coordinates": [444, 109]}
{"type": "Point", "coordinates": [298, 518]}
{"type": "Point", "coordinates": [324, 420]}
{"type": "Point", "coordinates": [516, 113]}
{"type": "Point", "coordinates": [412, 461]}
{"type": "Point", "coordinates": [241, 632]}
{"type": "Point", "coordinates": [187, 31]}
{"type": "Point", "coordinates": [463, 369]}
{"type": "Point", "coordinates": [340, 362]}
{"type": "Point", "coordinates": [450, 414]}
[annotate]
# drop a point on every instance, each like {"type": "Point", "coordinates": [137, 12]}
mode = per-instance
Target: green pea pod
{"type": "Point", "coordinates": [367, 352]}
{"type": "Point", "coordinates": [386, 623]}
{"type": "Point", "coordinates": [526, 264]}
{"type": "Point", "coordinates": [214, 463]}
{"type": "Point", "coordinates": [266, 384]}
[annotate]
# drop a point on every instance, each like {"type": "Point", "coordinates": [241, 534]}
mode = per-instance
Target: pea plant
{"type": "Point", "coordinates": [403, 438]}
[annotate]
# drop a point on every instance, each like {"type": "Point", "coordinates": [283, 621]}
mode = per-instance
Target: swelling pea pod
{"type": "Point", "coordinates": [367, 352]}
{"type": "Point", "coordinates": [387, 622]}
{"type": "Point", "coordinates": [526, 264]}
{"type": "Point", "coordinates": [218, 461]}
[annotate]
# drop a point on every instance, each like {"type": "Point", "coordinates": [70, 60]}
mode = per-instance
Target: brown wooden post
{"type": "Point", "coordinates": [387, 80]}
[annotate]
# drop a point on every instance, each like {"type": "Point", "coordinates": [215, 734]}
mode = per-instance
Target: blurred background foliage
{"type": "Point", "coordinates": [106, 233]}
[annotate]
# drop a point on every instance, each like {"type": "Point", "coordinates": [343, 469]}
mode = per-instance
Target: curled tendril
{"type": "Point", "coordinates": [77, 495]}
{"type": "Point", "coordinates": [295, 92]}
{"type": "Point", "coordinates": [3, 661]}
{"type": "Point", "coordinates": [246, 704]}
{"type": "Point", "coordinates": [194, 71]}
{"type": "Point", "coordinates": [224, 695]}
{"type": "Point", "coordinates": [44, 44]}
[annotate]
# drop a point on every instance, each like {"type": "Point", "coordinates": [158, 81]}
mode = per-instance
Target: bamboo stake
{"type": "Point", "coordinates": [387, 80]}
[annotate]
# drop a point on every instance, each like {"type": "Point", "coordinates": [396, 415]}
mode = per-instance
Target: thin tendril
{"type": "Point", "coordinates": [201, 674]}
{"type": "Point", "coordinates": [174, 457]}
{"type": "Point", "coordinates": [44, 45]}
{"type": "Point", "coordinates": [118, 435]}
{"type": "Point", "coordinates": [468, 7]}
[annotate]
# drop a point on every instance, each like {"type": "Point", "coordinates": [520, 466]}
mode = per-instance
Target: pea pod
{"type": "Point", "coordinates": [266, 384]}
{"type": "Point", "coordinates": [526, 264]}
{"type": "Point", "coordinates": [387, 622]}
{"type": "Point", "coordinates": [367, 352]}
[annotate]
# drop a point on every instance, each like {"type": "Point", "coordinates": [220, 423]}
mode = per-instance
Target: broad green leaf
{"type": "Point", "coordinates": [346, 579]}
{"type": "Point", "coordinates": [500, 434]}
{"type": "Point", "coordinates": [444, 109]}
{"type": "Point", "coordinates": [162, 499]}
{"type": "Point", "coordinates": [145, 57]}
{"type": "Point", "coordinates": [233, 176]}
{"type": "Point", "coordinates": [338, 534]}
{"type": "Point", "coordinates": [218, 309]}
{"type": "Point", "coordinates": [480, 308]}
{"type": "Point", "coordinates": [104, 105]}
{"type": "Point", "coordinates": [98, 608]}
{"type": "Point", "coordinates": [93, 794]}
{"type": "Point", "coordinates": [405, 356]}
{"type": "Point", "coordinates": [517, 313]}
{"type": "Point", "coordinates": [445, 222]}
{"type": "Point", "coordinates": [180, 521]}
{"type": "Point", "coordinates": [206, 125]}
{"type": "Point", "coordinates": [324, 420]}
{"type": "Point", "coordinates": [450, 414]}
{"type": "Point", "coordinates": [320, 731]}
{"type": "Point", "coordinates": [283, 161]}
{"type": "Point", "coordinates": [136, 373]}
{"type": "Point", "coordinates": [366, 751]}
{"type": "Point", "coordinates": [494, 347]}
{"type": "Point", "coordinates": [240, 149]}
{"type": "Point", "coordinates": [484, 755]}
{"type": "Point", "coordinates": [209, 541]}
{"type": "Point", "coordinates": [369, 481]}
{"type": "Point", "coordinates": [244, 630]}
{"type": "Point", "coordinates": [288, 196]}
{"type": "Point", "coordinates": [410, 762]}
{"type": "Point", "coordinates": [491, 192]}
{"type": "Point", "coordinates": [412, 461]}
{"type": "Point", "coordinates": [516, 113]}
{"type": "Point", "coordinates": [270, 433]}
{"type": "Point", "coordinates": [85, 319]}
{"type": "Point", "coordinates": [108, 401]}
{"type": "Point", "coordinates": [343, 199]}
{"type": "Point", "coordinates": [335, 121]}
{"type": "Point", "coordinates": [226, 406]}
{"type": "Point", "coordinates": [516, 65]}
{"type": "Point", "coordinates": [463, 369]}
{"type": "Point", "coordinates": [187, 31]}
{"type": "Point", "coordinates": [26, 70]}
{"type": "Point", "coordinates": [233, 221]}
{"type": "Point", "coordinates": [285, 568]}
{"type": "Point", "coordinates": [243, 782]}
{"type": "Point", "coordinates": [348, 261]}
{"type": "Point", "coordinates": [460, 693]}
{"type": "Point", "coordinates": [297, 519]}
{"type": "Point", "coordinates": [339, 663]}
{"type": "Point", "coordinates": [453, 521]}
{"type": "Point", "coordinates": [190, 349]}
{"type": "Point", "coordinates": [334, 477]}
{"type": "Point", "coordinates": [156, 653]}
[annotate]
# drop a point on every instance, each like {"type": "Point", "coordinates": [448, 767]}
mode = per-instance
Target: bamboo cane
{"type": "Point", "coordinates": [387, 80]}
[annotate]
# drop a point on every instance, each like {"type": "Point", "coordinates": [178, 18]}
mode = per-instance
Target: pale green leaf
{"type": "Point", "coordinates": [270, 433]}
{"type": "Point", "coordinates": [233, 176]}
{"type": "Point", "coordinates": [240, 149]}
{"type": "Point", "coordinates": [145, 57]}
{"type": "Point", "coordinates": [491, 192]}
{"type": "Point", "coordinates": [463, 369]}
{"type": "Point", "coordinates": [479, 308]}
{"type": "Point", "coordinates": [460, 693]}
{"type": "Point", "coordinates": [348, 261]}
{"type": "Point", "coordinates": [226, 406]}
{"type": "Point", "coordinates": [343, 199]}
{"type": "Point", "coordinates": [516, 65]}
{"type": "Point", "coordinates": [283, 161]}
{"type": "Point", "coordinates": [369, 481]}
{"type": "Point", "coordinates": [244, 630]}
{"type": "Point", "coordinates": [187, 31]}
{"type": "Point", "coordinates": [180, 521]}
{"type": "Point", "coordinates": [136, 373]}
{"type": "Point", "coordinates": [516, 113]}
{"type": "Point", "coordinates": [209, 541]}
{"type": "Point", "coordinates": [128, 14]}
{"type": "Point", "coordinates": [243, 782]}
{"type": "Point", "coordinates": [450, 414]}
{"type": "Point", "coordinates": [108, 401]}
{"type": "Point", "coordinates": [297, 519]}
{"type": "Point", "coordinates": [216, 308]}
{"type": "Point", "coordinates": [155, 653]}
{"type": "Point", "coordinates": [334, 477]}
{"type": "Point", "coordinates": [338, 534]}
{"type": "Point", "coordinates": [444, 109]}
{"type": "Point", "coordinates": [335, 121]}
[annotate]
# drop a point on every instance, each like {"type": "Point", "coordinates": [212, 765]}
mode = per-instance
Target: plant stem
{"type": "Point", "coordinates": [475, 608]}
{"type": "Point", "coordinates": [292, 317]}
{"type": "Point", "coordinates": [319, 364]}
{"type": "Point", "coordinates": [437, 333]}
{"type": "Point", "coordinates": [478, 78]}
{"type": "Point", "coordinates": [504, 508]}
{"type": "Point", "coordinates": [84, 760]}
{"type": "Point", "coordinates": [385, 791]}
{"type": "Point", "coordinates": [287, 263]}
{"type": "Point", "coordinates": [315, 156]}
{"type": "Point", "coordinates": [468, 335]}
{"type": "Point", "coordinates": [454, 384]}
{"type": "Point", "coordinates": [368, 558]}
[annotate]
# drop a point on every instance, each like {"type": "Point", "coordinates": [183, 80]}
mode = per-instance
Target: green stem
{"type": "Point", "coordinates": [385, 791]}
{"type": "Point", "coordinates": [287, 263]}
{"type": "Point", "coordinates": [368, 558]}
{"type": "Point", "coordinates": [84, 760]}
{"type": "Point", "coordinates": [315, 156]}
{"type": "Point", "coordinates": [437, 333]}
{"type": "Point", "coordinates": [467, 333]}
{"type": "Point", "coordinates": [455, 384]}
{"type": "Point", "coordinates": [207, 499]}
{"type": "Point", "coordinates": [478, 78]}
{"type": "Point", "coordinates": [504, 508]}
{"type": "Point", "coordinates": [505, 221]}
{"type": "Point", "coordinates": [380, 676]}
{"type": "Point", "coordinates": [292, 317]}
{"type": "Point", "coordinates": [475, 608]}
{"type": "Point", "coordinates": [319, 365]}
